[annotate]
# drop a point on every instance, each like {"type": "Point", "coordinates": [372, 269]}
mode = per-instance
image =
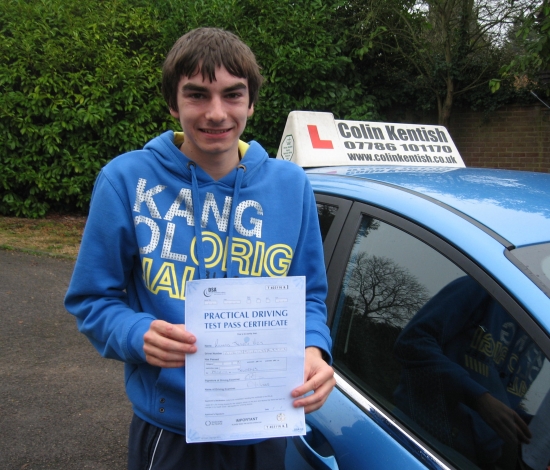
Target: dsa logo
{"type": "Point", "coordinates": [209, 291]}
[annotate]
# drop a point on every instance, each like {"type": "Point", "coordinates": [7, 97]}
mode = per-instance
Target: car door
{"type": "Point", "coordinates": [420, 333]}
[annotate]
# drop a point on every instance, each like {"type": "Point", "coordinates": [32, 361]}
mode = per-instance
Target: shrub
{"type": "Point", "coordinates": [79, 84]}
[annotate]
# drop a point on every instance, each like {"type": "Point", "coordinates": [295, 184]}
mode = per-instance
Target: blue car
{"type": "Point", "coordinates": [438, 303]}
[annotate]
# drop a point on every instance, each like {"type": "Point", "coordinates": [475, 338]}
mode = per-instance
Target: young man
{"type": "Point", "coordinates": [194, 205]}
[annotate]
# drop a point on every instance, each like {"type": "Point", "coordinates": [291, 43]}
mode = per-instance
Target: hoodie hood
{"type": "Point", "coordinates": [166, 151]}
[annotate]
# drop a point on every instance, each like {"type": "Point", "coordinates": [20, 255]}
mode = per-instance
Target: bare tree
{"type": "Point", "coordinates": [379, 290]}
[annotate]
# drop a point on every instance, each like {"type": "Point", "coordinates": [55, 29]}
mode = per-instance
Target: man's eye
{"type": "Point", "coordinates": [233, 96]}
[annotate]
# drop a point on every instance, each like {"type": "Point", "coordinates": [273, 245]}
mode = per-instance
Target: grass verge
{"type": "Point", "coordinates": [55, 235]}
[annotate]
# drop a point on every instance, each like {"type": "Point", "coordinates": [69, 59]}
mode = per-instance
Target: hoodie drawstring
{"type": "Point", "coordinates": [198, 219]}
{"type": "Point", "coordinates": [236, 189]}
{"type": "Point", "coordinates": [197, 216]}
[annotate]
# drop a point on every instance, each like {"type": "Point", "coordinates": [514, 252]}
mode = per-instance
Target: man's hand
{"type": "Point", "coordinates": [319, 378]}
{"type": "Point", "coordinates": [165, 344]}
{"type": "Point", "coordinates": [504, 421]}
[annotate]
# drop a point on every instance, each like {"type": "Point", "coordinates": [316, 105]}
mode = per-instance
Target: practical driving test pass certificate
{"type": "Point", "coordinates": [250, 356]}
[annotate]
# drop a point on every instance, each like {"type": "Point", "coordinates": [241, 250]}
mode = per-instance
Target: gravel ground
{"type": "Point", "coordinates": [62, 406]}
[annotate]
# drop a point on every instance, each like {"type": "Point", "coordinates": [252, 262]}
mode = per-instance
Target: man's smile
{"type": "Point", "coordinates": [215, 131]}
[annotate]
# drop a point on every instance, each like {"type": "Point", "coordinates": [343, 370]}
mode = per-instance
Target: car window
{"type": "Point", "coordinates": [426, 341]}
{"type": "Point", "coordinates": [327, 213]}
{"type": "Point", "coordinates": [534, 261]}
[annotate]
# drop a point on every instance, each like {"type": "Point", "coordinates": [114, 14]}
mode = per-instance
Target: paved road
{"type": "Point", "coordinates": [62, 406]}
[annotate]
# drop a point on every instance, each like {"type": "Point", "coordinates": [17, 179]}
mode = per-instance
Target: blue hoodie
{"type": "Point", "coordinates": [139, 249]}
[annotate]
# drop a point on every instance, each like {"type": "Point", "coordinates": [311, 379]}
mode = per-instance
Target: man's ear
{"type": "Point", "coordinates": [174, 113]}
{"type": "Point", "coordinates": [251, 110]}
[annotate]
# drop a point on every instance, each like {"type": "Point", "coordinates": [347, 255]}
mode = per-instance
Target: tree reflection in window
{"type": "Point", "coordinates": [326, 213]}
{"type": "Point", "coordinates": [390, 275]}
{"type": "Point", "coordinates": [381, 291]}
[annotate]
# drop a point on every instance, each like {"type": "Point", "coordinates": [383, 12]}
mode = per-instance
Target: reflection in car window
{"type": "Point", "coordinates": [326, 213]}
{"type": "Point", "coordinates": [427, 342]}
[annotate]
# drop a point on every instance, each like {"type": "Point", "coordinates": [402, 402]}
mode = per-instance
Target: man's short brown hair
{"type": "Point", "coordinates": [201, 51]}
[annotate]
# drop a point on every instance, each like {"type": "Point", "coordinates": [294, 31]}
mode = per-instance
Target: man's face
{"type": "Point", "coordinates": [212, 115]}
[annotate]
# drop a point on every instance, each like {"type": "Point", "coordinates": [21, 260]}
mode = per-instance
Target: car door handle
{"type": "Point", "coordinates": [305, 446]}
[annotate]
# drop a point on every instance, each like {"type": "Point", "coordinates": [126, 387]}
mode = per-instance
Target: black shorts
{"type": "Point", "coordinates": [153, 448]}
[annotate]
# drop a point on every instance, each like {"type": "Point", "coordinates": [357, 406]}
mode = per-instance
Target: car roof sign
{"type": "Point", "coordinates": [315, 139]}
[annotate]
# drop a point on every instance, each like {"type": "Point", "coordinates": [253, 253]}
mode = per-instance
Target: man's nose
{"type": "Point", "coordinates": [216, 111]}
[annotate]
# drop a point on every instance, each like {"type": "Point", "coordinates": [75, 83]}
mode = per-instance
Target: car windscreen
{"type": "Point", "coordinates": [534, 260]}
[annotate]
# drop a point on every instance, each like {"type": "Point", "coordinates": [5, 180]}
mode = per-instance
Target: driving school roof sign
{"type": "Point", "coordinates": [313, 139]}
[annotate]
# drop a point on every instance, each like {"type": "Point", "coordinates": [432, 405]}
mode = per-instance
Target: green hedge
{"type": "Point", "coordinates": [78, 85]}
